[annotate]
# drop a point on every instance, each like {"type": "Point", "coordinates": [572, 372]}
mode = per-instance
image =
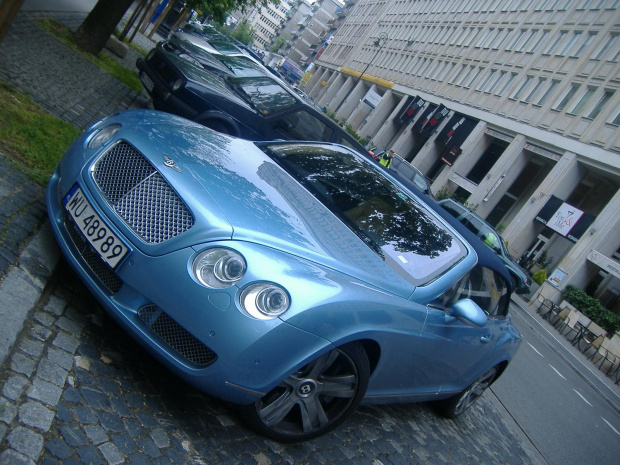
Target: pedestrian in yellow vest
{"type": "Point", "coordinates": [386, 158]}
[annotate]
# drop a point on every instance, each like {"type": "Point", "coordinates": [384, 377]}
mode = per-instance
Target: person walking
{"type": "Point", "coordinates": [386, 158]}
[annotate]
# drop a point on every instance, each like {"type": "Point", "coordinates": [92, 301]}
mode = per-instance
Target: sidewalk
{"type": "Point", "coordinates": [72, 88]}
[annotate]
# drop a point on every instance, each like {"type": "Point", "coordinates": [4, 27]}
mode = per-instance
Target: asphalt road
{"type": "Point", "coordinates": [566, 420]}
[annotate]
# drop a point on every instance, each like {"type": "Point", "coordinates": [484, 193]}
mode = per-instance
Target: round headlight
{"type": "Point", "coordinates": [265, 301]}
{"type": "Point", "coordinates": [103, 135]}
{"type": "Point", "coordinates": [218, 268]}
{"type": "Point", "coordinates": [176, 85]}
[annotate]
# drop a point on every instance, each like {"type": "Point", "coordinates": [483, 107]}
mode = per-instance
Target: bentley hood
{"type": "Point", "coordinates": [228, 181]}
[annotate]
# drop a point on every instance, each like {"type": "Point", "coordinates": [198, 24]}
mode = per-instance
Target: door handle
{"type": "Point", "coordinates": [485, 339]}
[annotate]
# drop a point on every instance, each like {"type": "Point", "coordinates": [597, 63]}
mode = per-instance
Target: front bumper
{"type": "Point", "coordinates": [199, 334]}
{"type": "Point", "coordinates": [163, 97]}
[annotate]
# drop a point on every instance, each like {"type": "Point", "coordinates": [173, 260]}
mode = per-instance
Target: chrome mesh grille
{"type": "Point", "coordinates": [140, 195]}
{"type": "Point", "coordinates": [177, 337]}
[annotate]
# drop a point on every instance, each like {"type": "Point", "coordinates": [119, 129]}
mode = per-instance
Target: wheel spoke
{"type": "Point", "coordinates": [321, 364]}
{"type": "Point", "coordinates": [312, 414]}
{"type": "Point", "coordinates": [276, 411]}
{"type": "Point", "coordinates": [339, 386]}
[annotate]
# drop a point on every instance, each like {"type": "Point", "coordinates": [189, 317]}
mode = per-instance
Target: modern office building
{"type": "Point", "coordinates": [266, 21]}
{"type": "Point", "coordinates": [511, 105]}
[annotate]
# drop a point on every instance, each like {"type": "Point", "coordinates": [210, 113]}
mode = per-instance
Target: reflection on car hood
{"type": "Point", "coordinates": [262, 203]}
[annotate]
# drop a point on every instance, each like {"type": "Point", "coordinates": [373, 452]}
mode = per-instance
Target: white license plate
{"type": "Point", "coordinates": [97, 233]}
{"type": "Point", "coordinates": [148, 83]}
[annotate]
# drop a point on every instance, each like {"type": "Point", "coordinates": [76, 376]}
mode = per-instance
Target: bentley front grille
{"type": "Point", "coordinates": [140, 195]}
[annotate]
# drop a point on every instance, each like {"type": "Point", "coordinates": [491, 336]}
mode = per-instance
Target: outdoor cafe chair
{"type": "Point", "coordinates": [561, 318]}
{"type": "Point", "coordinates": [593, 336]}
{"type": "Point", "coordinates": [546, 306]}
{"type": "Point", "coordinates": [569, 322]}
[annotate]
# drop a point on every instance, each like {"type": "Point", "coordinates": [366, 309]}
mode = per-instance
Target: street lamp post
{"type": "Point", "coordinates": [377, 42]}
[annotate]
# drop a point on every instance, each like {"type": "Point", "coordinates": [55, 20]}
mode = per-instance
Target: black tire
{"type": "Point", "coordinates": [219, 126]}
{"type": "Point", "coordinates": [313, 400]}
{"type": "Point", "coordinates": [454, 406]}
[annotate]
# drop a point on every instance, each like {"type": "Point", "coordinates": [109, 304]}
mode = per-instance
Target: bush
{"type": "Point", "coordinates": [592, 308]}
{"type": "Point", "coordinates": [540, 276]}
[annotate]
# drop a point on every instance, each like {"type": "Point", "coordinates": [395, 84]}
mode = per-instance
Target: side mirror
{"type": "Point", "coordinates": [468, 311]}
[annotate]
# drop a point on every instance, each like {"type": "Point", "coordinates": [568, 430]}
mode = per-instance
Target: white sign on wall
{"type": "Point", "coordinates": [564, 219]}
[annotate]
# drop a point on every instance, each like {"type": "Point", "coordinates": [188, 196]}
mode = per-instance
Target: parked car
{"type": "Point", "coordinates": [207, 38]}
{"type": "Point", "coordinates": [295, 280]}
{"type": "Point", "coordinates": [519, 277]}
{"type": "Point", "coordinates": [405, 169]}
{"type": "Point", "coordinates": [241, 103]}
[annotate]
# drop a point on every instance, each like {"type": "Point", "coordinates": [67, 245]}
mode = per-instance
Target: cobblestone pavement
{"type": "Point", "coordinates": [76, 389]}
{"type": "Point", "coordinates": [79, 390]}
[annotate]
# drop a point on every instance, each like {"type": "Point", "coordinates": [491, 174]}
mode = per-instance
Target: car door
{"type": "Point", "coordinates": [458, 352]}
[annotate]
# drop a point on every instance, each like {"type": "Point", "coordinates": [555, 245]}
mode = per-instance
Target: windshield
{"type": "Point", "coordinates": [242, 66]}
{"type": "Point", "coordinates": [395, 226]}
{"type": "Point", "coordinates": [264, 94]}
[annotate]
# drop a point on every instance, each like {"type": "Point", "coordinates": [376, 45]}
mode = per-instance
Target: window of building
{"type": "Point", "coordinates": [495, 84]}
{"type": "Point", "coordinates": [570, 43]}
{"type": "Point", "coordinates": [550, 90]}
{"type": "Point", "coordinates": [506, 85]}
{"type": "Point", "coordinates": [616, 120]}
{"type": "Point", "coordinates": [471, 68]}
{"type": "Point", "coordinates": [586, 43]}
{"type": "Point", "coordinates": [541, 5]}
{"type": "Point", "coordinates": [567, 97]}
{"type": "Point", "coordinates": [522, 47]}
{"type": "Point", "coordinates": [484, 37]}
{"type": "Point", "coordinates": [601, 104]}
{"type": "Point", "coordinates": [535, 89]}
{"type": "Point", "coordinates": [457, 75]}
{"type": "Point", "coordinates": [555, 44]}
{"type": "Point", "coordinates": [475, 76]}
{"type": "Point", "coordinates": [521, 90]}
{"type": "Point", "coordinates": [485, 81]}
{"type": "Point", "coordinates": [501, 38]}
{"type": "Point", "coordinates": [582, 101]}
{"type": "Point", "coordinates": [609, 46]}
{"type": "Point", "coordinates": [540, 40]}
{"type": "Point", "coordinates": [516, 40]}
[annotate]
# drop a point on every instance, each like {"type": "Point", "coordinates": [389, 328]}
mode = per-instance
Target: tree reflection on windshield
{"type": "Point", "coordinates": [374, 208]}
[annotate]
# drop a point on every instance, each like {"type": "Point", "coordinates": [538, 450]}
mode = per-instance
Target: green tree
{"type": "Point", "coordinates": [98, 26]}
{"type": "Point", "coordinates": [244, 33]}
{"type": "Point", "coordinates": [277, 43]}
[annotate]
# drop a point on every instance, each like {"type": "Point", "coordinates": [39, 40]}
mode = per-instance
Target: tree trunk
{"type": "Point", "coordinates": [146, 21]}
{"type": "Point", "coordinates": [132, 20]}
{"type": "Point", "coordinates": [160, 19]}
{"type": "Point", "coordinates": [8, 10]}
{"type": "Point", "coordinates": [92, 35]}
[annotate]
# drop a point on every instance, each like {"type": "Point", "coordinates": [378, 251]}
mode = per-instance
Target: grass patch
{"type": "Point", "coordinates": [32, 138]}
{"type": "Point", "coordinates": [127, 76]}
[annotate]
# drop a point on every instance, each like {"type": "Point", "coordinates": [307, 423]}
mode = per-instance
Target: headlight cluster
{"type": "Point", "coordinates": [220, 268]}
{"type": "Point", "coordinates": [265, 301]}
{"type": "Point", "coordinates": [103, 135]}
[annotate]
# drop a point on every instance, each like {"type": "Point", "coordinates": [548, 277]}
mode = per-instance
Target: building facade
{"type": "Point", "coordinates": [510, 105]}
{"type": "Point", "coordinates": [266, 21]}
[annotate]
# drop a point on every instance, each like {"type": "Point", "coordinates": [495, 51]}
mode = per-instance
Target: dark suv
{"type": "Point", "coordinates": [233, 94]}
{"type": "Point", "coordinates": [490, 237]}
